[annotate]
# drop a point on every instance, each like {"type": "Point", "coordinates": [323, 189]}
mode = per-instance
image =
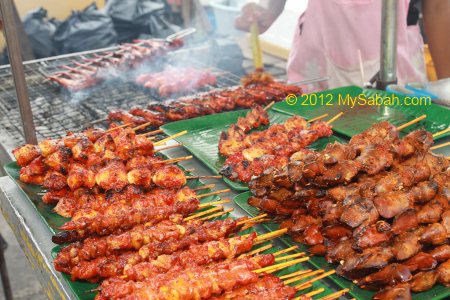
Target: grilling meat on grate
{"type": "Point", "coordinates": [94, 70]}
{"type": "Point", "coordinates": [176, 80]}
{"type": "Point", "coordinates": [207, 103]}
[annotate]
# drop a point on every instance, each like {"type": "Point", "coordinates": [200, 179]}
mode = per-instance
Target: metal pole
{"type": "Point", "coordinates": [4, 271]}
{"type": "Point", "coordinates": [388, 55]}
{"type": "Point", "coordinates": [15, 57]}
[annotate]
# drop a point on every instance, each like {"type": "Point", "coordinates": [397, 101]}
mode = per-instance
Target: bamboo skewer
{"type": "Point", "coordinates": [213, 193]}
{"type": "Point", "coordinates": [295, 274]}
{"type": "Point", "coordinates": [214, 203]}
{"type": "Point", "coordinates": [204, 176]}
{"type": "Point", "coordinates": [205, 187]}
{"type": "Point", "coordinates": [271, 235]}
{"type": "Point", "coordinates": [269, 106]}
{"type": "Point", "coordinates": [169, 147]}
{"type": "Point", "coordinates": [252, 219]}
{"type": "Point", "coordinates": [301, 286]}
{"type": "Point", "coordinates": [217, 214]}
{"type": "Point", "coordinates": [274, 268]}
{"type": "Point", "coordinates": [312, 293]}
{"type": "Point", "coordinates": [174, 160]}
{"type": "Point", "coordinates": [203, 213]}
{"type": "Point", "coordinates": [152, 132]}
{"type": "Point", "coordinates": [285, 250]}
{"type": "Point", "coordinates": [317, 118]}
{"type": "Point", "coordinates": [142, 126]}
{"type": "Point", "coordinates": [335, 118]}
{"type": "Point", "coordinates": [118, 127]}
{"type": "Point", "coordinates": [170, 138]}
{"type": "Point", "coordinates": [440, 146]}
{"type": "Point", "coordinates": [416, 120]}
{"type": "Point", "coordinates": [335, 295]}
{"type": "Point", "coordinates": [289, 256]}
{"type": "Point", "coordinates": [256, 251]}
{"type": "Point", "coordinates": [253, 223]}
{"type": "Point", "coordinates": [441, 132]}
{"type": "Point", "coordinates": [303, 276]}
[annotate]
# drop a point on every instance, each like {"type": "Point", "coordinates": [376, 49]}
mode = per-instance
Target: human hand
{"type": "Point", "coordinates": [251, 13]}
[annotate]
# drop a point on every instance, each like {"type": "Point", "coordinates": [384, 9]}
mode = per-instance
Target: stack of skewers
{"type": "Point", "coordinates": [216, 101]}
{"type": "Point", "coordinates": [91, 71]}
{"type": "Point", "coordinates": [251, 154]}
{"type": "Point", "coordinates": [134, 227]}
{"type": "Point", "coordinates": [378, 206]}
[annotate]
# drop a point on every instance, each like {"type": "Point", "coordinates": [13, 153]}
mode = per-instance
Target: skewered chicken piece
{"type": "Point", "coordinates": [176, 80]}
{"type": "Point", "coordinates": [401, 291]}
{"type": "Point", "coordinates": [290, 138]}
{"type": "Point", "coordinates": [266, 287]}
{"type": "Point", "coordinates": [137, 237]}
{"type": "Point", "coordinates": [203, 282]}
{"type": "Point", "coordinates": [122, 216]}
{"type": "Point", "coordinates": [195, 255]}
{"type": "Point", "coordinates": [163, 255]}
{"type": "Point", "coordinates": [208, 103]}
{"type": "Point", "coordinates": [129, 56]}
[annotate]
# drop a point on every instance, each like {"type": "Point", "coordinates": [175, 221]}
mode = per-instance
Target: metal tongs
{"type": "Point", "coordinates": [180, 34]}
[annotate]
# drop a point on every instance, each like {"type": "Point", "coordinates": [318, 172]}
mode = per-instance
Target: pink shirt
{"type": "Point", "coordinates": [331, 32]}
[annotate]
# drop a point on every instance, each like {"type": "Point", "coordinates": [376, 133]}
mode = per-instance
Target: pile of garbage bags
{"type": "Point", "coordinates": [118, 22]}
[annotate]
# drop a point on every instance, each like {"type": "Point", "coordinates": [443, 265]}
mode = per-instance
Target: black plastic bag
{"type": "Point", "coordinates": [85, 30]}
{"type": "Point", "coordinates": [133, 18]}
{"type": "Point", "coordinates": [40, 32]}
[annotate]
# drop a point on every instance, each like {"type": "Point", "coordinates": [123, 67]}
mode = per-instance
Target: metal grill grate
{"type": "Point", "coordinates": [56, 111]}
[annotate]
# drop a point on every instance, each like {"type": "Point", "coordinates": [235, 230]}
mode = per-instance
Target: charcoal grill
{"type": "Point", "coordinates": [56, 110]}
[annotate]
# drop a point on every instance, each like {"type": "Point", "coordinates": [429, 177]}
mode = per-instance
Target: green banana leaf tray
{"type": "Point", "coordinates": [84, 290]}
{"type": "Point", "coordinates": [398, 110]}
{"type": "Point", "coordinates": [203, 135]}
{"type": "Point", "coordinates": [436, 293]}
{"type": "Point", "coordinates": [53, 221]}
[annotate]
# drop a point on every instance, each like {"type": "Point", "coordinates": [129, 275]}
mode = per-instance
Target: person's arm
{"type": "Point", "coordinates": [265, 13]}
{"type": "Point", "coordinates": [436, 16]}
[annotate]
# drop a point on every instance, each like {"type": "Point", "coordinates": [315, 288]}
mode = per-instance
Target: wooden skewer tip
{"type": "Point", "coordinates": [285, 250]}
{"type": "Point", "coordinates": [335, 118]}
{"type": "Point", "coordinates": [416, 120]}
{"type": "Point", "coordinates": [335, 295]}
{"type": "Point", "coordinates": [318, 118]}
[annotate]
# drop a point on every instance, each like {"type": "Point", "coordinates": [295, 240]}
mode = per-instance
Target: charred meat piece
{"type": "Point", "coordinates": [405, 221]}
{"type": "Point", "coordinates": [357, 210]}
{"type": "Point", "coordinates": [373, 235]}
{"type": "Point", "coordinates": [406, 245]}
{"type": "Point", "coordinates": [434, 234]}
{"type": "Point", "coordinates": [424, 281]}
{"type": "Point", "coordinates": [444, 273]}
{"type": "Point", "coordinates": [446, 222]}
{"type": "Point", "coordinates": [399, 292]}
{"type": "Point", "coordinates": [421, 262]}
{"type": "Point", "coordinates": [430, 213]}
{"type": "Point", "coordinates": [441, 253]}
{"type": "Point", "coordinates": [392, 204]}
{"type": "Point", "coordinates": [362, 264]}
{"type": "Point", "coordinates": [424, 191]}
{"type": "Point", "coordinates": [340, 251]}
{"type": "Point", "coordinates": [312, 235]}
{"type": "Point", "coordinates": [375, 158]}
{"type": "Point", "coordinates": [318, 250]}
{"type": "Point", "coordinates": [392, 275]}
{"type": "Point", "coordinates": [336, 232]}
